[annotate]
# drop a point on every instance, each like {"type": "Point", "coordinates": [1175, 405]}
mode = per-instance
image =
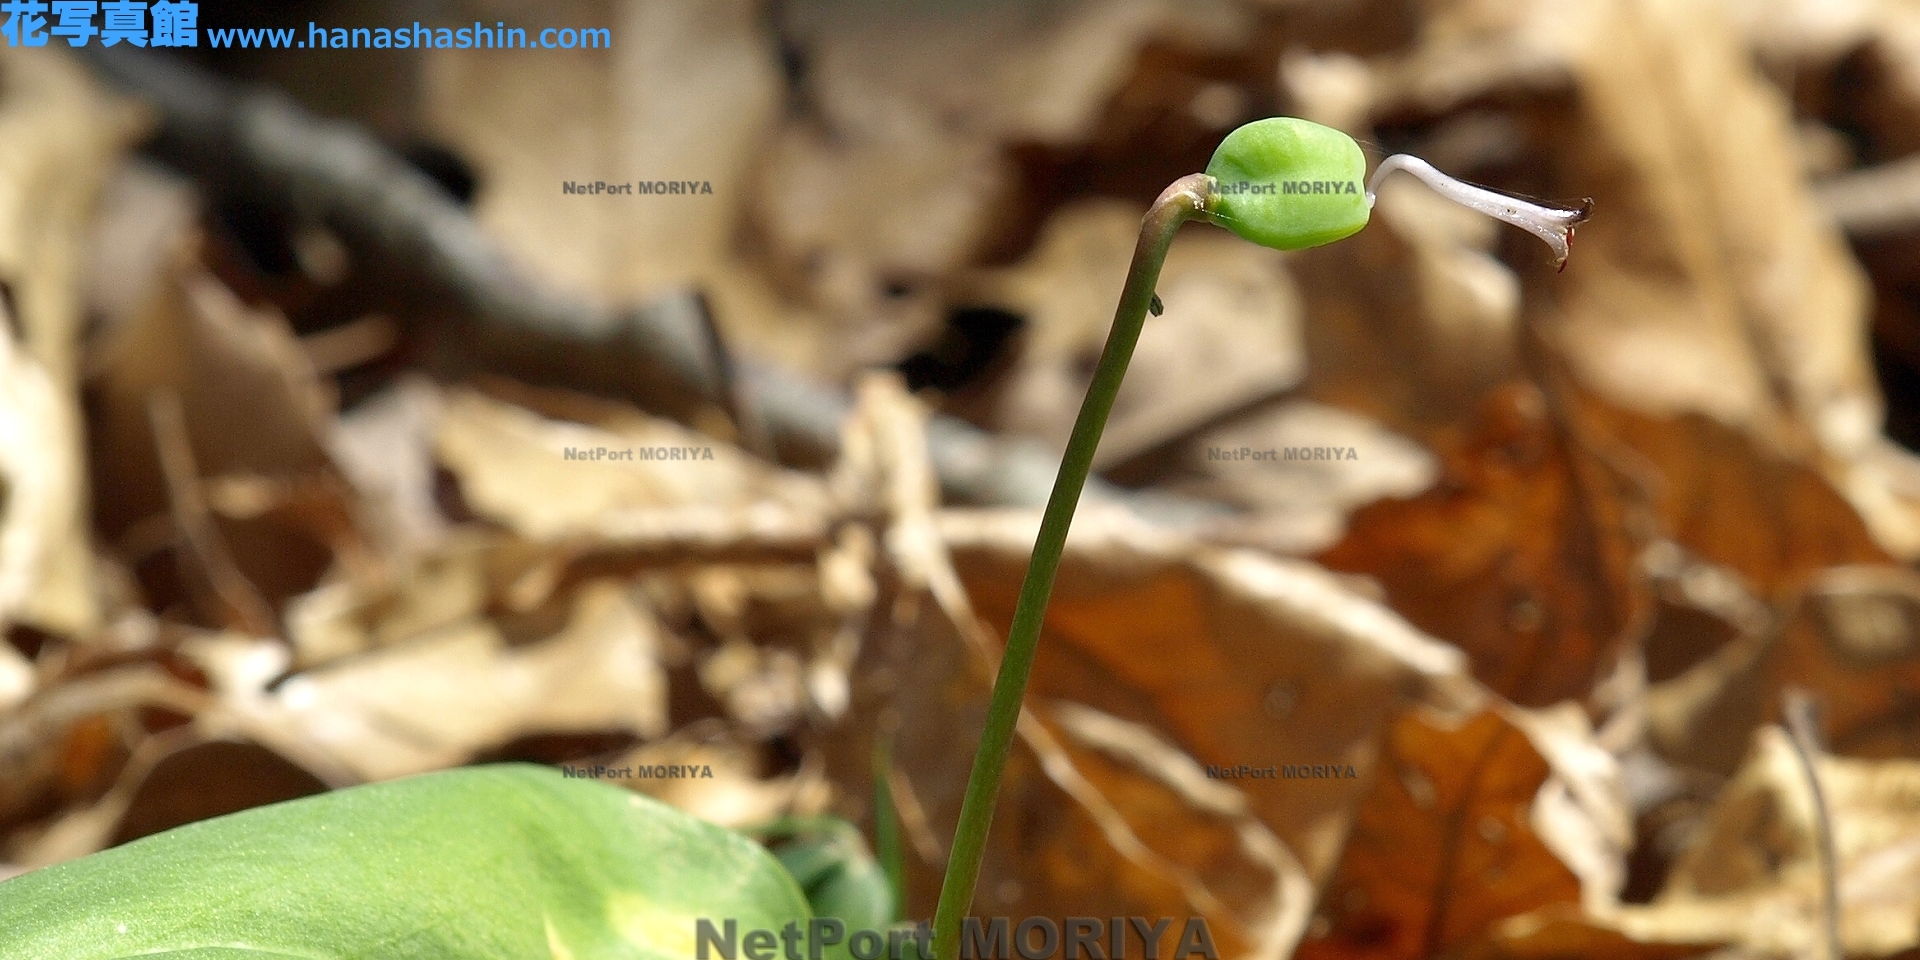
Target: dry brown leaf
{"type": "Point", "coordinates": [1107, 808]}
{"type": "Point", "coordinates": [385, 448]}
{"type": "Point", "coordinates": [1044, 77]}
{"type": "Point", "coordinates": [902, 172]}
{"type": "Point", "coordinates": [1714, 285]}
{"type": "Point", "coordinates": [249, 404]}
{"type": "Point", "coordinates": [36, 495]}
{"type": "Point", "coordinates": [687, 92]}
{"type": "Point", "coordinates": [1766, 515]}
{"type": "Point", "coordinates": [551, 480]}
{"type": "Point", "coordinates": [1752, 876]}
{"type": "Point", "coordinates": [1444, 845]}
{"type": "Point", "coordinates": [60, 136]}
{"type": "Point", "coordinates": [58, 750]}
{"type": "Point", "coordinates": [858, 227]}
{"type": "Point", "coordinates": [1230, 335]}
{"type": "Point", "coordinates": [1564, 933]}
{"type": "Point", "coordinates": [209, 779]}
{"type": "Point", "coordinates": [1854, 642]}
{"type": "Point", "coordinates": [439, 699]}
{"type": "Point", "coordinates": [171, 779]}
{"type": "Point", "coordinates": [1235, 659]}
{"type": "Point", "coordinates": [1709, 283]}
{"type": "Point", "coordinates": [1750, 529]}
{"type": "Point", "coordinates": [1302, 468]}
{"type": "Point", "coordinates": [1510, 556]}
{"type": "Point", "coordinates": [735, 795]}
{"type": "Point", "coordinates": [432, 590]}
{"type": "Point", "coordinates": [1414, 321]}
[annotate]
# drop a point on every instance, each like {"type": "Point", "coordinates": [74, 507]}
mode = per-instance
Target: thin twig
{"type": "Point", "coordinates": [1803, 729]}
{"type": "Point", "coordinates": [47, 716]}
{"type": "Point", "coordinates": [203, 549]}
{"type": "Point", "coordinates": [749, 427]}
{"type": "Point", "coordinates": [1876, 201]}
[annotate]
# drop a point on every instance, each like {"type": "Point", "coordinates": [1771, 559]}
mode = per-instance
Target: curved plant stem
{"type": "Point", "coordinates": [1183, 200]}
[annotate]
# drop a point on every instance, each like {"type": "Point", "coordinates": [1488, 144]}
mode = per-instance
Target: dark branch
{"type": "Point", "coordinates": [258, 146]}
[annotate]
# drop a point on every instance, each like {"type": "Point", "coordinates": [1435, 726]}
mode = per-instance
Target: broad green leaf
{"type": "Point", "coordinates": [834, 869]}
{"type": "Point", "coordinates": [498, 862]}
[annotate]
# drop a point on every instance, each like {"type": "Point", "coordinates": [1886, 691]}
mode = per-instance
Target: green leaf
{"type": "Point", "coordinates": [888, 847]}
{"type": "Point", "coordinates": [838, 875]}
{"type": "Point", "coordinates": [498, 862]}
{"type": "Point", "coordinates": [1288, 183]}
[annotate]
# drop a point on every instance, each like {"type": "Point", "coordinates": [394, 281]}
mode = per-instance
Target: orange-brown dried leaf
{"type": "Point", "coordinates": [1767, 514]}
{"type": "Point", "coordinates": [1509, 556]}
{"type": "Point", "coordinates": [1854, 643]}
{"type": "Point", "coordinates": [1237, 659]}
{"type": "Point", "coordinates": [1441, 848]}
{"type": "Point", "coordinates": [1562, 933]}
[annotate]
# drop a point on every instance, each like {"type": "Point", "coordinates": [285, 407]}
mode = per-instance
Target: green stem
{"type": "Point", "coordinates": [886, 825]}
{"type": "Point", "coordinates": [1183, 200]}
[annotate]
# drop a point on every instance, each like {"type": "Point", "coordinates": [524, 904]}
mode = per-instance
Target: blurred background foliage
{"type": "Point", "coordinates": [297, 341]}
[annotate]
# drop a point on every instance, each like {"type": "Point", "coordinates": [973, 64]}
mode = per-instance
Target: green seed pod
{"type": "Point", "coordinates": [1288, 183]}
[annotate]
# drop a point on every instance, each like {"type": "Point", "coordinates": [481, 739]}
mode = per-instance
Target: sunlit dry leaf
{"type": "Point", "coordinates": [764, 690]}
{"type": "Point", "coordinates": [1229, 338]}
{"type": "Point", "coordinates": [1724, 178]}
{"type": "Point", "coordinates": [1749, 528]}
{"type": "Point", "coordinates": [1161, 821]}
{"type": "Point", "coordinates": [1161, 657]}
{"type": "Point", "coordinates": [897, 177]}
{"type": "Point", "coordinates": [1752, 876]}
{"type": "Point", "coordinates": [1719, 288]}
{"type": "Point", "coordinates": [1757, 510]}
{"type": "Point", "coordinates": [725, 786]}
{"type": "Point", "coordinates": [435, 701]}
{"type": "Point", "coordinates": [385, 447]}
{"type": "Point", "coordinates": [35, 490]}
{"type": "Point", "coordinates": [1046, 77]}
{"type": "Point", "coordinates": [1562, 933]}
{"type": "Point", "coordinates": [60, 135]}
{"type": "Point", "coordinates": [249, 404]}
{"type": "Point", "coordinates": [859, 226]}
{"type": "Point", "coordinates": [1302, 468]}
{"type": "Point", "coordinates": [901, 171]}
{"type": "Point", "coordinates": [687, 92]}
{"type": "Point", "coordinates": [1712, 284]}
{"type": "Point", "coordinates": [551, 479]}
{"type": "Point", "coordinates": [433, 589]}
{"type": "Point", "coordinates": [143, 215]}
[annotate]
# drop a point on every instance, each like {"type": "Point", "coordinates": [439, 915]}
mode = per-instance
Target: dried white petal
{"type": "Point", "coordinates": [1551, 224]}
